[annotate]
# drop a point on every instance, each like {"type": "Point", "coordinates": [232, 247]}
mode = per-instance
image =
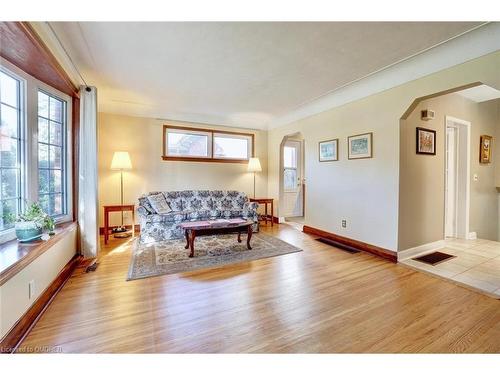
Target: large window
{"type": "Point", "coordinates": [51, 154]}
{"type": "Point", "coordinates": [10, 149]}
{"type": "Point", "coordinates": [35, 153]}
{"type": "Point", "coordinates": [192, 144]}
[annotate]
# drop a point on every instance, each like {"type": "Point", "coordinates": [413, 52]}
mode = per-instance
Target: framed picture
{"type": "Point", "coordinates": [329, 150]}
{"type": "Point", "coordinates": [485, 149]}
{"type": "Point", "coordinates": [426, 141]}
{"type": "Point", "coordinates": [360, 146]}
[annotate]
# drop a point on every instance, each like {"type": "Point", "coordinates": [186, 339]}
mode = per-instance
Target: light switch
{"type": "Point", "coordinates": [475, 177]}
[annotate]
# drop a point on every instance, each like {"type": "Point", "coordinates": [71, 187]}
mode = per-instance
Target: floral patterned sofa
{"type": "Point", "coordinates": [192, 205]}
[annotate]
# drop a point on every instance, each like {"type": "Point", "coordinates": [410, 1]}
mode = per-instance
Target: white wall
{"type": "Point", "coordinates": [365, 192]}
{"type": "Point", "coordinates": [14, 296]}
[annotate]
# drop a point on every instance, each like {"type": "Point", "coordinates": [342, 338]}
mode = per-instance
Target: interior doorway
{"type": "Point", "coordinates": [457, 182]}
{"type": "Point", "coordinates": [292, 183]}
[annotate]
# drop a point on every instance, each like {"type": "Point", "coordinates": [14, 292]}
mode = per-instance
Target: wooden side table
{"type": "Point", "coordinates": [117, 208]}
{"type": "Point", "coordinates": [265, 202]}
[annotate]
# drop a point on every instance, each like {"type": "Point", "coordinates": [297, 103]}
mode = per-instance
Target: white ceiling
{"type": "Point", "coordinates": [239, 74]}
{"type": "Point", "coordinates": [481, 93]}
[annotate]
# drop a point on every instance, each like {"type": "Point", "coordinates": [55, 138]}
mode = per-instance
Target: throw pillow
{"type": "Point", "coordinates": [159, 203]}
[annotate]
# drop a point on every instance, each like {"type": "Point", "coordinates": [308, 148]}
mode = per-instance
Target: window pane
{"type": "Point", "coordinates": [44, 202]}
{"type": "Point", "coordinates": [290, 157]}
{"type": "Point", "coordinates": [43, 105]}
{"type": "Point", "coordinates": [55, 133]}
{"type": "Point", "coordinates": [55, 181]}
{"type": "Point", "coordinates": [43, 156]}
{"type": "Point", "coordinates": [55, 107]}
{"type": "Point", "coordinates": [9, 90]}
{"type": "Point", "coordinates": [9, 122]}
{"type": "Point", "coordinates": [8, 151]}
{"type": "Point", "coordinates": [43, 130]}
{"type": "Point", "coordinates": [43, 180]}
{"type": "Point", "coordinates": [51, 162]}
{"type": "Point", "coordinates": [55, 157]}
{"type": "Point", "coordinates": [9, 212]}
{"type": "Point", "coordinates": [55, 204]}
{"type": "Point", "coordinates": [290, 179]}
{"type": "Point", "coordinates": [9, 183]}
{"type": "Point", "coordinates": [185, 144]}
{"type": "Point", "coordinates": [231, 147]}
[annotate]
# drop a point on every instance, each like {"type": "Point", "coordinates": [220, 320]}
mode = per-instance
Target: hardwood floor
{"type": "Point", "coordinates": [318, 300]}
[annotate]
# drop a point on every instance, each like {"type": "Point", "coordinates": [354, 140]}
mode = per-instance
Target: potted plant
{"type": "Point", "coordinates": [30, 224]}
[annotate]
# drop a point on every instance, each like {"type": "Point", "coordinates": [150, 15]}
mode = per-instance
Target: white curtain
{"type": "Point", "coordinates": [88, 205]}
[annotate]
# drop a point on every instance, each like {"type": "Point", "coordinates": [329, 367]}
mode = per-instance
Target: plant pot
{"type": "Point", "coordinates": [28, 231]}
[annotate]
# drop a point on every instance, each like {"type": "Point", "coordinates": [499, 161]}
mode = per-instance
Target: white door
{"type": "Point", "coordinates": [451, 193]}
{"type": "Point", "coordinates": [292, 179]}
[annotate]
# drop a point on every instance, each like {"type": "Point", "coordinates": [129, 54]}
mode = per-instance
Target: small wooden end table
{"type": "Point", "coordinates": [117, 208]}
{"type": "Point", "coordinates": [265, 202]}
{"type": "Point", "coordinates": [208, 228]}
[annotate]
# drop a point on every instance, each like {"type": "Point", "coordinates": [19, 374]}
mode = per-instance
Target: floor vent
{"type": "Point", "coordinates": [434, 258]}
{"type": "Point", "coordinates": [338, 245]}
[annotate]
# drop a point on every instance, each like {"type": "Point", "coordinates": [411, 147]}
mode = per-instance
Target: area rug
{"type": "Point", "coordinates": [167, 257]}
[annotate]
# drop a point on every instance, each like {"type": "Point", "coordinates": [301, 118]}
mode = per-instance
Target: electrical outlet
{"type": "Point", "coordinates": [344, 223]}
{"type": "Point", "coordinates": [31, 289]}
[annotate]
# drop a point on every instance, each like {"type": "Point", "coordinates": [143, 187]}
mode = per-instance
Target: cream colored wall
{"type": "Point", "coordinates": [421, 210]}
{"type": "Point", "coordinates": [365, 192]}
{"type": "Point", "coordinates": [14, 297]}
{"type": "Point", "coordinates": [142, 138]}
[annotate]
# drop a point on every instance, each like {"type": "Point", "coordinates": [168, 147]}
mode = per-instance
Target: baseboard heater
{"type": "Point", "coordinates": [338, 245]}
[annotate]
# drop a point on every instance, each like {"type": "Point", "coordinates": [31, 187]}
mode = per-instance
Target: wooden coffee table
{"type": "Point", "coordinates": [193, 229]}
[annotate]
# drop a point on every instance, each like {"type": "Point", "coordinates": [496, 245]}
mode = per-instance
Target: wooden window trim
{"type": "Point", "coordinates": [205, 159]}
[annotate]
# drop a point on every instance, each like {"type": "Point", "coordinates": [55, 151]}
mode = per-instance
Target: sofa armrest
{"type": "Point", "coordinates": [250, 211]}
{"type": "Point", "coordinates": [143, 213]}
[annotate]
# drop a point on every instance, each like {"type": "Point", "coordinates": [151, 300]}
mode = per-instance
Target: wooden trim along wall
{"type": "Point", "coordinates": [379, 251]}
{"type": "Point", "coordinates": [22, 47]}
{"type": "Point", "coordinates": [24, 325]}
{"type": "Point", "coordinates": [203, 159]}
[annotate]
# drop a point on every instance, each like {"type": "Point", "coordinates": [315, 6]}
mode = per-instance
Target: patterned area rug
{"type": "Point", "coordinates": [167, 257]}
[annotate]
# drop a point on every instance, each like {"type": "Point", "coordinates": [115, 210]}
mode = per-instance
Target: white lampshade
{"type": "Point", "coordinates": [121, 161]}
{"type": "Point", "coordinates": [254, 165]}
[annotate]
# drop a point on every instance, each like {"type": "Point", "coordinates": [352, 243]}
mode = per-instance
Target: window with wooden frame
{"type": "Point", "coordinates": [196, 144]}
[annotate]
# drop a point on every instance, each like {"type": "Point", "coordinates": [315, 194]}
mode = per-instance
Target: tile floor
{"type": "Point", "coordinates": [476, 265]}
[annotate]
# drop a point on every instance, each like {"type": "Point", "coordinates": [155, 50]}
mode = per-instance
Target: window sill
{"type": "Point", "coordinates": [197, 159]}
{"type": "Point", "coordinates": [15, 256]}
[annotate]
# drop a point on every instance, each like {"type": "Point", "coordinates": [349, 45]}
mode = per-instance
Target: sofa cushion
{"type": "Point", "coordinates": [171, 217]}
{"type": "Point", "coordinates": [232, 213]}
{"type": "Point", "coordinates": [228, 200]}
{"type": "Point", "coordinates": [174, 200]}
{"type": "Point", "coordinates": [194, 200]}
{"type": "Point", "coordinates": [202, 214]}
{"type": "Point", "coordinates": [143, 202]}
{"type": "Point", "coordinates": [159, 203]}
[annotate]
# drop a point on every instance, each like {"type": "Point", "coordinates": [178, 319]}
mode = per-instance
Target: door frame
{"type": "Point", "coordinates": [462, 176]}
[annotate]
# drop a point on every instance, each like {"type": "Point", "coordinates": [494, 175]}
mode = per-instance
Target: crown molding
{"type": "Point", "coordinates": [478, 42]}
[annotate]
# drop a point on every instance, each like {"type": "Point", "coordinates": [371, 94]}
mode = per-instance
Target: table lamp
{"type": "Point", "coordinates": [254, 166]}
{"type": "Point", "coordinates": [121, 162]}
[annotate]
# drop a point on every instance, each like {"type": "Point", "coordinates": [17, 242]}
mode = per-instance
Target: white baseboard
{"type": "Point", "coordinates": [472, 236]}
{"type": "Point", "coordinates": [420, 250]}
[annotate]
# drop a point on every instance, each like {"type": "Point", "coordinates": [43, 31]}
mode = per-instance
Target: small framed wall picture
{"type": "Point", "coordinates": [485, 149]}
{"type": "Point", "coordinates": [360, 146]}
{"type": "Point", "coordinates": [426, 141]}
{"type": "Point", "coordinates": [329, 150]}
